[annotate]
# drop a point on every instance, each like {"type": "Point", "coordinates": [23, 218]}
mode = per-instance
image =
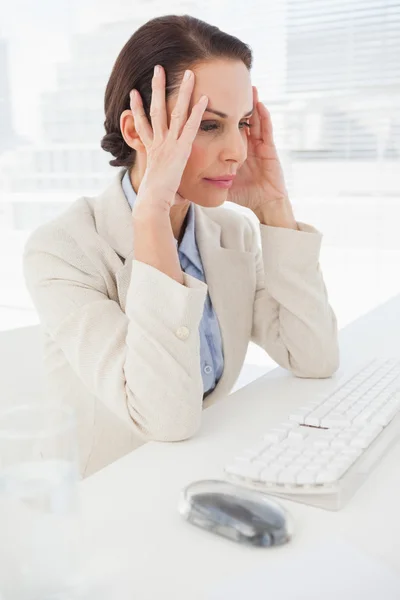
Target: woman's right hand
{"type": "Point", "coordinates": [168, 149]}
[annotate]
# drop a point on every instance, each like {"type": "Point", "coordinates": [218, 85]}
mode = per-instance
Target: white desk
{"type": "Point", "coordinates": [130, 507]}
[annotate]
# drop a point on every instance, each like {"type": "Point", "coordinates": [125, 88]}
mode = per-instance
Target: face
{"type": "Point", "coordinates": [220, 146]}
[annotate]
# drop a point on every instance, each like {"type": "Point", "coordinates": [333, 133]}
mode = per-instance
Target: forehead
{"type": "Point", "coordinates": [227, 84]}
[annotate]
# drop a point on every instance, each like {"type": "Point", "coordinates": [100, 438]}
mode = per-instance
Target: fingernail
{"type": "Point", "coordinates": [133, 95]}
{"type": "Point", "coordinates": [187, 75]}
{"type": "Point", "coordinates": [157, 70]}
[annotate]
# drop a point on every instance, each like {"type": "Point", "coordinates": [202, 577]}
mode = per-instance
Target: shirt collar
{"type": "Point", "coordinates": [188, 246]}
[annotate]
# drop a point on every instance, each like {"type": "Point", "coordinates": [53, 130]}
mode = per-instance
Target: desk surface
{"type": "Point", "coordinates": [130, 507]}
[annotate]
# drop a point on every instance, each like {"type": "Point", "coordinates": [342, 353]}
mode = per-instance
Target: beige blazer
{"type": "Point", "coordinates": [121, 338]}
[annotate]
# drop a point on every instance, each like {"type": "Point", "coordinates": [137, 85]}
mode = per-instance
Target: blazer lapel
{"type": "Point", "coordinates": [114, 224]}
{"type": "Point", "coordinates": [114, 217]}
{"type": "Point", "coordinates": [123, 278]}
{"type": "Point", "coordinates": [231, 280]}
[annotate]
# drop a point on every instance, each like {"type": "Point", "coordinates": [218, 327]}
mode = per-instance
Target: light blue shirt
{"type": "Point", "coordinates": [211, 355]}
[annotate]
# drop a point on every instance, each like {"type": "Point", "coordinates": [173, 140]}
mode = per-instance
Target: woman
{"type": "Point", "coordinates": [149, 293]}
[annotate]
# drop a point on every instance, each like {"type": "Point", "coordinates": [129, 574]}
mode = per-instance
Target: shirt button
{"type": "Point", "coordinates": [207, 369]}
{"type": "Point", "coordinates": [182, 333]}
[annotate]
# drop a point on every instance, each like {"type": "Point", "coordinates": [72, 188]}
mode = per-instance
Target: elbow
{"type": "Point", "coordinates": [175, 422]}
{"type": "Point", "coordinates": [176, 430]}
{"type": "Point", "coordinates": [319, 366]}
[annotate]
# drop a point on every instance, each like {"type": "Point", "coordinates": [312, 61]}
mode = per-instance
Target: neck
{"type": "Point", "coordinates": [177, 216]}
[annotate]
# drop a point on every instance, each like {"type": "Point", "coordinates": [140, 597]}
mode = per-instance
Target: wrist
{"type": "Point", "coordinates": [278, 215]}
{"type": "Point", "coordinates": [147, 212]}
{"type": "Point", "coordinates": [152, 223]}
{"type": "Point", "coordinates": [152, 202]}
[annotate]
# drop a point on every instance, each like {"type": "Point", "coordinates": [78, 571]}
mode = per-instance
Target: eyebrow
{"type": "Point", "coordinates": [223, 115]}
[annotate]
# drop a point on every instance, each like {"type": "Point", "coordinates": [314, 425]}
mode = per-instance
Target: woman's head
{"type": "Point", "coordinates": [221, 64]}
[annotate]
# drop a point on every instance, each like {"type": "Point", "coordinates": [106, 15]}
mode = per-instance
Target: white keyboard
{"type": "Point", "coordinates": [326, 449]}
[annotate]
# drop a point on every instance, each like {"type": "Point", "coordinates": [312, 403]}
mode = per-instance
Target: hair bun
{"type": "Point", "coordinates": [114, 143]}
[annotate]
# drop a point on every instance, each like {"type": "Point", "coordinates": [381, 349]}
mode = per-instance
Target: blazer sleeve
{"type": "Point", "coordinates": [292, 318]}
{"type": "Point", "coordinates": [144, 364]}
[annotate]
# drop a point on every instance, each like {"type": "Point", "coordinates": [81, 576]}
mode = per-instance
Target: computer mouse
{"type": "Point", "coordinates": [240, 514]}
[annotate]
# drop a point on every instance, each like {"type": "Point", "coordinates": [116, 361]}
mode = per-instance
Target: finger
{"type": "Point", "coordinates": [192, 125]}
{"type": "Point", "coordinates": [266, 125]}
{"type": "Point", "coordinates": [142, 124]}
{"type": "Point", "coordinates": [255, 130]}
{"type": "Point", "coordinates": [180, 111]}
{"type": "Point", "coordinates": [158, 111]}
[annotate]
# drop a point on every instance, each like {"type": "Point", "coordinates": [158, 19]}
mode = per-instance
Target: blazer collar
{"type": "Point", "coordinates": [113, 217]}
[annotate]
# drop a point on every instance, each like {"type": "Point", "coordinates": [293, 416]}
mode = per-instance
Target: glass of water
{"type": "Point", "coordinates": [39, 509]}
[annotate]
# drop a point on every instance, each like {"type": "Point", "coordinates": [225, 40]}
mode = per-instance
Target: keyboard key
{"type": "Point", "coordinates": [320, 460]}
{"type": "Point", "coordinates": [288, 475]}
{"type": "Point", "coordinates": [299, 415]}
{"type": "Point", "coordinates": [293, 452]}
{"type": "Point", "coordinates": [326, 476]}
{"type": "Point", "coordinates": [272, 452]}
{"type": "Point", "coordinates": [297, 435]}
{"type": "Point", "coordinates": [351, 451]}
{"type": "Point", "coordinates": [338, 421]}
{"type": "Point", "coordinates": [341, 461]}
{"type": "Point", "coordinates": [283, 461]}
{"type": "Point", "coordinates": [310, 452]}
{"type": "Point", "coordinates": [249, 470]}
{"type": "Point", "coordinates": [339, 443]}
{"type": "Point", "coordinates": [270, 473]}
{"type": "Point", "coordinates": [313, 468]}
{"type": "Point", "coordinates": [364, 417]}
{"type": "Point", "coordinates": [384, 416]}
{"type": "Point", "coordinates": [288, 425]}
{"type": "Point", "coordinates": [257, 449]}
{"type": "Point", "coordinates": [239, 469]}
{"type": "Point", "coordinates": [301, 460]}
{"type": "Point", "coordinates": [327, 454]}
{"type": "Point", "coordinates": [322, 443]}
{"type": "Point", "coordinates": [275, 435]}
{"type": "Point", "coordinates": [305, 477]}
{"type": "Point", "coordinates": [363, 440]}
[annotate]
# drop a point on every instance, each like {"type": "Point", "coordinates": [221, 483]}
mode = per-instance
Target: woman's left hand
{"type": "Point", "coordinates": [259, 184]}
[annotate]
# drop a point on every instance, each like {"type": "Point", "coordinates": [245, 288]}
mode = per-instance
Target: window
{"type": "Point", "coordinates": [328, 70]}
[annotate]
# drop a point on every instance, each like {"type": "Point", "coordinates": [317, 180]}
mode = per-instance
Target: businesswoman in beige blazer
{"type": "Point", "coordinates": [149, 293]}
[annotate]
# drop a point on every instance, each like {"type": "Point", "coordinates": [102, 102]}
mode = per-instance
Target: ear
{"type": "Point", "coordinates": [129, 133]}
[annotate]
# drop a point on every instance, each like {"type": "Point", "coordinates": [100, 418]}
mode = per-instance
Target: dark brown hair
{"type": "Point", "coordinates": [177, 42]}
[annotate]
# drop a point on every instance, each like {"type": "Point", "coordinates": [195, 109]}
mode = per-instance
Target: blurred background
{"type": "Point", "coordinates": [328, 70]}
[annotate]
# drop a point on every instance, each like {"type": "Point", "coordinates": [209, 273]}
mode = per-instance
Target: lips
{"type": "Point", "coordinates": [222, 178]}
{"type": "Point", "coordinates": [221, 183]}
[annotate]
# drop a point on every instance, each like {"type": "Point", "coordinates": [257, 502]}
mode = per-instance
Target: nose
{"type": "Point", "coordinates": [235, 147]}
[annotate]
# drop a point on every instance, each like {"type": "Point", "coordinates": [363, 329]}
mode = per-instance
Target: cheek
{"type": "Point", "coordinates": [199, 159]}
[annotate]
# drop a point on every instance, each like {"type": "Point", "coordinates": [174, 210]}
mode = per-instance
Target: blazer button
{"type": "Point", "coordinates": [182, 333]}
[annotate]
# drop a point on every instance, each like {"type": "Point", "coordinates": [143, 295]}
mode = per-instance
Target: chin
{"type": "Point", "coordinates": [208, 198]}
{"type": "Point", "coordinates": [210, 202]}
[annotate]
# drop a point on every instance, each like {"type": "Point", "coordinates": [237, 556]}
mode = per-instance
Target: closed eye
{"type": "Point", "coordinates": [207, 126]}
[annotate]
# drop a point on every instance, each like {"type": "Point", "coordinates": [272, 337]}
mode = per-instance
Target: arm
{"type": "Point", "coordinates": [135, 362]}
{"type": "Point", "coordinates": [154, 242]}
{"type": "Point", "coordinates": [144, 363]}
{"type": "Point", "coordinates": [292, 318]}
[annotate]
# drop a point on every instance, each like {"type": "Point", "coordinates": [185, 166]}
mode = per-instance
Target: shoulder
{"type": "Point", "coordinates": [65, 229]}
{"type": "Point", "coordinates": [63, 243]}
